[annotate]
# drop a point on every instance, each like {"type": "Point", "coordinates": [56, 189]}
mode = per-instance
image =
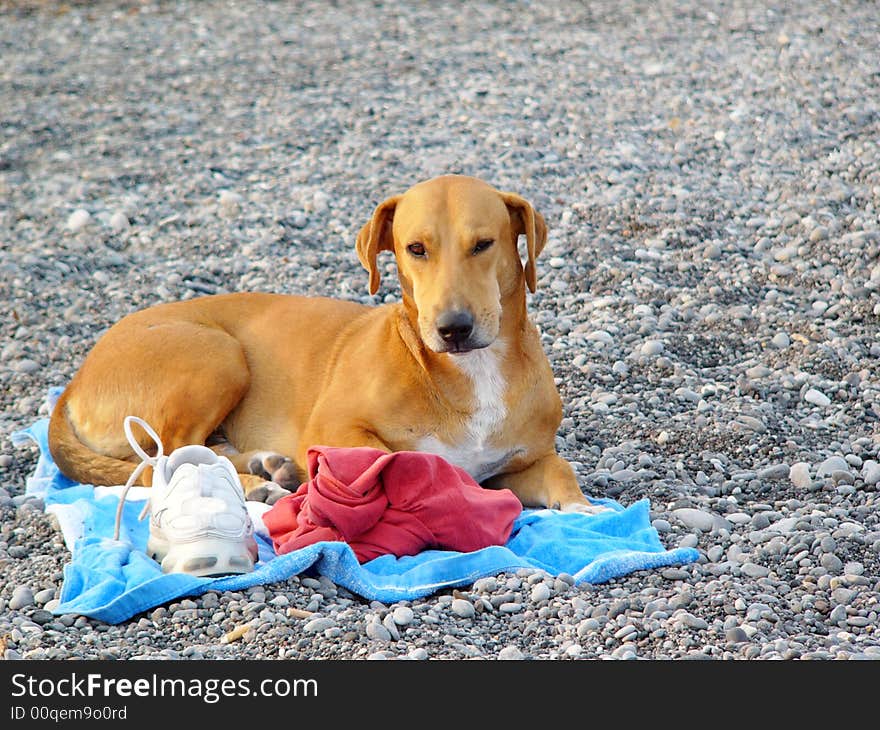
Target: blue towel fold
{"type": "Point", "coordinates": [114, 580]}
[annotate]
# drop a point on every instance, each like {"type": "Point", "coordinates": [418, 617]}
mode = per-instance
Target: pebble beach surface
{"type": "Point", "coordinates": [709, 296]}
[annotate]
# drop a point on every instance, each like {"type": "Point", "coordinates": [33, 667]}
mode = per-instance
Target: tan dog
{"type": "Point", "coordinates": [456, 369]}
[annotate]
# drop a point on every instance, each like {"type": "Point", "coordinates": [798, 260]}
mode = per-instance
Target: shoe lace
{"type": "Point", "coordinates": [146, 460]}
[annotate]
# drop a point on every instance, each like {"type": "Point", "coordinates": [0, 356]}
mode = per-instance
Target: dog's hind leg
{"type": "Point", "coordinates": [181, 377]}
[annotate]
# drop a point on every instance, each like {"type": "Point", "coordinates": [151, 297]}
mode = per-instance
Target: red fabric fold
{"type": "Point", "coordinates": [399, 504]}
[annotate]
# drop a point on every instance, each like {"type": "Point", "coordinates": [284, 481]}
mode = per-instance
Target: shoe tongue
{"type": "Point", "coordinates": [194, 454]}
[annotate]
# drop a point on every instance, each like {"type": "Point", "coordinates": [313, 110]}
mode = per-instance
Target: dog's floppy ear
{"type": "Point", "coordinates": [376, 236]}
{"type": "Point", "coordinates": [525, 219]}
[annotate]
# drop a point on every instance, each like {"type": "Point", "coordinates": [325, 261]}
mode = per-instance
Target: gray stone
{"type": "Point", "coordinates": [402, 615]}
{"type": "Point", "coordinates": [119, 222]}
{"type": "Point", "coordinates": [391, 627]}
{"type": "Point", "coordinates": [754, 571]}
{"type": "Point", "coordinates": [78, 220]}
{"type": "Point", "coordinates": [44, 596]}
{"type": "Point", "coordinates": [831, 465]}
{"type": "Point", "coordinates": [817, 398]}
{"type": "Point", "coordinates": [42, 616]}
{"type": "Point", "coordinates": [696, 519]}
{"type": "Point", "coordinates": [799, 474]}
{"type": "Point", "coordinates": [22, 597]}
{"type": "Point", "coordinates": [541, 592]}
{"type": "Point", "coordinates": [319, 624]}
{"type": "Point", "coordinates": [511, 653]}
{"type": "Point", "coordinates": [775, 472]}
{"type": "Point", "coordinates": [871, 472]}
{"type": "Point", "coordinates": [691, 621]}
{"type": "Point", "coordinates": [651, 347]}
{"type": "Point", "coordinates": [831, 563]}
{"type": "Point", "coordinates": [781, 340]}
{"type": "Point", "coordinates": [376, 631]}
{"type": "Point", "coordinates": [464, 609]}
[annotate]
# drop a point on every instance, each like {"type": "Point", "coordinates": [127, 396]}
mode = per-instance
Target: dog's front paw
{"type": "Point", "coordinates": [275, 468]}
{"type": "Point", "coordinates": [267, 492]}
{"type": "Point", "coordinates": [586, 507]}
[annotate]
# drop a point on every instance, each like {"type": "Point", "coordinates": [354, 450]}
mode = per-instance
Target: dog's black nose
{"type": "Point", "coordinates": [455, 327]}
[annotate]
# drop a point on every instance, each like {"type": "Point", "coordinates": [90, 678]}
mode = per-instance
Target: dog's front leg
{"type": "Point", "coordinates": [548, 482]}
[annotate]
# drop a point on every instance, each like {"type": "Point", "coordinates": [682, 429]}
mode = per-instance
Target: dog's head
{"type": "Point", "coordinates": [455, 239]}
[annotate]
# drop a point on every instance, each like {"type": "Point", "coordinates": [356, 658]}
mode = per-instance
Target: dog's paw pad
{"type": "Point", "coordinates": [258, 494]}
{"type": "Point", "coordinates": [276, 492]}
{"type": "Point", "coordinates": [268, 492]}
{"type": "Point", "coordinates": [267, 464]}
{"type": "Point", "coordinates": [286, 475]}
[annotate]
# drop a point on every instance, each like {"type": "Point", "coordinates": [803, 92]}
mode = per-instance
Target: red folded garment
{"type": "Point", "coordinates": [399, 503]}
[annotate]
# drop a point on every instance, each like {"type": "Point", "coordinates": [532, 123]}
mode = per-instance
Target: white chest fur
{"type": "Point", "coordinates": [472, 450]}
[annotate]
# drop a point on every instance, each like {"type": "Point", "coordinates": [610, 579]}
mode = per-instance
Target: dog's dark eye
{"type": "Point", "coordinates": [417, 249]}
{"type": "Point", "coordinates": [483, 244]}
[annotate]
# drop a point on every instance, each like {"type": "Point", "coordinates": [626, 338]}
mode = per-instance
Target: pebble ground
{"type": "Point", "coordinates": [709, 296]}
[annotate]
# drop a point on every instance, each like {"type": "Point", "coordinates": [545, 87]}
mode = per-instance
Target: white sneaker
{"type": "Point", "coordinates": [199, 523]}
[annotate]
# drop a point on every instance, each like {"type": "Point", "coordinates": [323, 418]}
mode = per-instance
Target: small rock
{"type": "Point", "coordinates": [22, 597]}
{"type": "Point", "coordinates": [831, 465]}
{"type": "Point", "coordinates": [461, 607]}
{"type": "Point", "coordinates": [26, 365]}
{"type": "Point", "coordinates": [775, 472]}
{"type": "Point", "coordinates": [691, 621]}
{"type": "Point", "coordinates": [540, 592]}
{"type": "Point", "coordinates": [402, 615]}
{"type": "Point", "coordinates": [5, 460]}
{"type": "Point", "coordinates": [376, 631]}
{"type": "Point", "coordinates": [838, 614]}
{"type": "Point", "coordinates": [388, 623]}
{"type": "Point", "coordinates": [119, 222]}
{"type": "Point", "coordinates": [871, 472]}
{"type": "Point", "coordinates": [486, 585]}
{"type": "Point", "coordinates": [78, 220]}
{"type": "Point", "coordinates": [41, 616]}
{"type": "Point", "coordinates": [736, 635]}
{"type": "Point", "coordinates": [694, 518]}
{"type": "Point", "coordinates": [418, 654]}
{"type": "Point", "coordinates": [831, 563]}
{"type": "Point", "coordinates": [752, 570]}
{"type": "Point", "coordinates": [799, 474]}
{"type": "Point", "coordinates": [781, 340]}
{"type": "Point", "coordinates": [819, 233]}
{"type": "Point", "coordinates": [319, 625]}
{"type": "Point", "coordinates": [230, 203]}
{"type": "Point", "coordinates": [817, 398]}
{"type": "Point", "coordinates": [651, 348]}
{"type": "Point", "coordinates": [44, 596]}
{"type": "Point", "coordinates": [511, 653]}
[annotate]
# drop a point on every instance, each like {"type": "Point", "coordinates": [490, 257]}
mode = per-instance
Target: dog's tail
{"type": "Point", "coordinates": [75, 459]}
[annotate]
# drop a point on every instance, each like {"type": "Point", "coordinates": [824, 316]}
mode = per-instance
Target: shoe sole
{"type": "Point", "coordinates": [206, 558]}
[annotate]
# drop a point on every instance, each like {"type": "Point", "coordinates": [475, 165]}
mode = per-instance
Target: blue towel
{"type": "Point", "coordinates": [114, 580]}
